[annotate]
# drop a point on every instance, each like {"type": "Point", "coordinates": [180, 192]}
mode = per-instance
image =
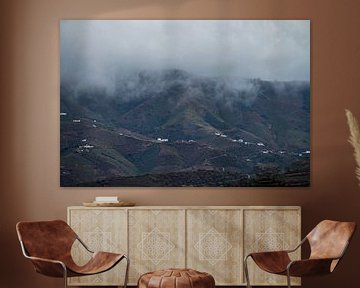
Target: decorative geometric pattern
{"type": "Point", "coordinates": [269, 241]}
{"type": "Point", "coordinates": [156, 246]}
{"type": "Point", "coordinates": [213, 212]}
{"type": "Point", "coordinates": [101, 230]}
{"type": "Point", "coordinates": [213, 246]}
{"type": "Point", "coordinates": [215, 242]}
{"type": "Point", "coordinates": [270, 230]}
{"type": "Point", "coordinates": [131, 220]}
{"type": "Point", "coordinates": [157, 241]}
{"type": "Point", "coordinates": [98, 240]}
{"type": "Point", "coordinates": [209, 239]}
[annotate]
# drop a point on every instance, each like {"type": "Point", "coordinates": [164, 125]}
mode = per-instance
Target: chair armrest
{"type": "Point", "coordinates": [298, 246]}
{"type": "Point", "coordinates": [83, 244]}
{"type": "Point", "coordinates": [280, 251]}
{"type": "Point", "coordinates": [309, 267]}
{"type": "Point", "coordinates": [271, 261]}
{"type": "Point", "coordinates": [268, 254]}
{"type": "Point", "coordinates": [48, 267]}
{"type": "Point", "coordinates": [45, 260]}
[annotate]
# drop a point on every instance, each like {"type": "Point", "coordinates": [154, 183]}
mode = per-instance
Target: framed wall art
{"type": "Point", "coordinates": [169, 103]}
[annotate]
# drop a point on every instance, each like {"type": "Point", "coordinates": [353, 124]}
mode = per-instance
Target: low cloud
{"type": "Point", "coordinates": [96, 52]}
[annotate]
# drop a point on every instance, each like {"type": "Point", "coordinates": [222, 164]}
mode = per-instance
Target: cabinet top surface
{"type": "Point", "coordinates": [192, 207]}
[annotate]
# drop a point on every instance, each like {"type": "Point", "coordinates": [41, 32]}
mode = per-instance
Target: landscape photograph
{"type": "Point", "coordinates": [184, 103]}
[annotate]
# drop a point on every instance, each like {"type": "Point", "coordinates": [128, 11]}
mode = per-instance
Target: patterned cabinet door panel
{"type": "Point", "coordinates": [269, 230]}
{"type": "Point", "coordinates": [101, 230]}
{"type": "Point", "coordinates": [156, 240]}
{"type": "Point", "coordinates": [214, 244]}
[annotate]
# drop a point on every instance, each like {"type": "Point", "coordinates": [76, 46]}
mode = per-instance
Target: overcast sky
{"type": "Point", "coordinates": [95, 50]}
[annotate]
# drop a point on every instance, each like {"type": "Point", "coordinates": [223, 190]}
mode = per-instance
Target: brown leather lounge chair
{"type": "Point", "coordinates": [328, 242]}
{"type": "Point", "coordinates": [48, 245]}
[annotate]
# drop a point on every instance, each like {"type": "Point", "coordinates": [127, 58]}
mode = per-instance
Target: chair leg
{"type": "Point", "coordinates": [65, 276]}
{"type": "Point", "coordinates": [126, 271]}
{"type": "Point", "coordinates": [246, 270]}
{"type": "Point", "coordinates": [288, 278]}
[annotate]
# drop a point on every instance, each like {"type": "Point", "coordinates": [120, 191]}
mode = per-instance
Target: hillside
{"type": "Point", "coordinates": [165, 124]}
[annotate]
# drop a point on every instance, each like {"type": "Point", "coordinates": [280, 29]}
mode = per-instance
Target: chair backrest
{"type": "Point", "coordinates": [329, 239]}
{"type": "Point", "coordinates": [46, 239]}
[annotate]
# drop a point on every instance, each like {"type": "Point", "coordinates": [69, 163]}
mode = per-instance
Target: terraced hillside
{"type": "Point", "coordinates": [172, 128]}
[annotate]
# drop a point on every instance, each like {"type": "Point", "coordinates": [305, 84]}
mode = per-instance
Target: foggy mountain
{"type": "Point", "coordinates": [154, 128]}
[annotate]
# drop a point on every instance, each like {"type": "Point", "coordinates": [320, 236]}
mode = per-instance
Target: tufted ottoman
{"type": "Point", "coordinates": [176, 278]}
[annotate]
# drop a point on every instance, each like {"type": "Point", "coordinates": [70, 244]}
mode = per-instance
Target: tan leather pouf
{"type": "Point", "coordinates": [176, 278]}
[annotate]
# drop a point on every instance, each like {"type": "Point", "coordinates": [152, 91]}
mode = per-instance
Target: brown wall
{"type": "Point", "coordinates": [29, 119]}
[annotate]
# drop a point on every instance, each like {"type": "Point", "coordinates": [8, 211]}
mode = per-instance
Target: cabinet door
{"type": "Point", "coordinates": [101, 230]}
{"type": "Point", "coordinates": [156, 240]}
{"type": "Point", "coordinates": [270, 230]}
{"type": "Point", "coordinates": [214, 244]}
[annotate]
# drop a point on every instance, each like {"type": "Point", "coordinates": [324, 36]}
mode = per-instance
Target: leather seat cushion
{"type": "Point", "coordinates": [176, 278]}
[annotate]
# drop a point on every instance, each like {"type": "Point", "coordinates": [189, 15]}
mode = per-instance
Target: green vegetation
{"type": "Point", "coordinates": [176, 129]}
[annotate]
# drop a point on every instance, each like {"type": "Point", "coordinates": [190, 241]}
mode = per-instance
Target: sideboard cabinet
{"type": "Point", "coordinates": [212, 239]}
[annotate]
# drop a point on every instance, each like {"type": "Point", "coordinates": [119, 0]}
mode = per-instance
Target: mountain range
{"type": "Point", "coordinates": [173, 128]}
